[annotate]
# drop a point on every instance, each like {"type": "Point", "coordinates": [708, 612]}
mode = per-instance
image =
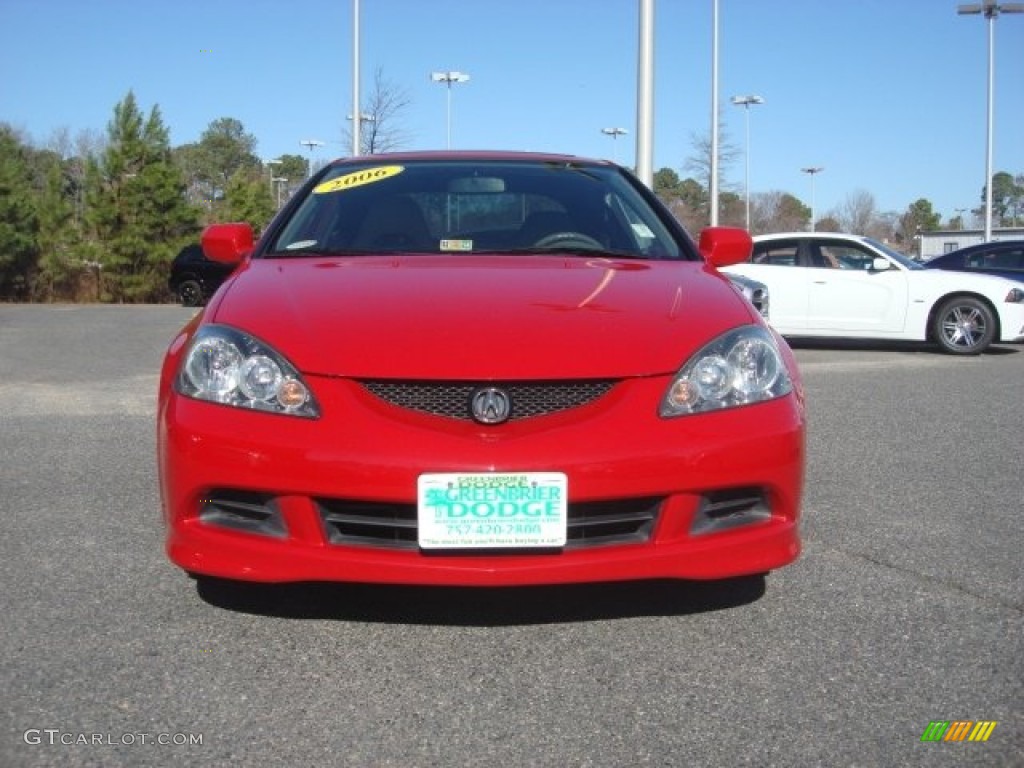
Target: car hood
{"type": "Point", "coordinates": [481, 317]}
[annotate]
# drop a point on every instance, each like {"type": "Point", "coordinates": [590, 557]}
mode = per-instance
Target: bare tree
{"type": "Point", "coordinates": [857, 213]}
{"type": "Point", "coordinates": [381, 129]}
{"type": "Point", "coordinates": [60, 142]}
{"type": "Point", "coordinates": [699, 163]}
{"type": "Point", "coordinates": [777, 211]}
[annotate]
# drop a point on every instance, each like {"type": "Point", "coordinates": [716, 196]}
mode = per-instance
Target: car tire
{"type": "Point", "coordinates": [963, 325]}
{"type": "Point", "coordinates": [190, 293]}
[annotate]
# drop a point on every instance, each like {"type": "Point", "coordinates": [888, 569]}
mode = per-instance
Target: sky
{"type": "Point", "coordinates": [887, 96]}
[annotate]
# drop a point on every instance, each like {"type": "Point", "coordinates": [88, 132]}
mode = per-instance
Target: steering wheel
{"type": "Point", "coordinates": [575, 239]}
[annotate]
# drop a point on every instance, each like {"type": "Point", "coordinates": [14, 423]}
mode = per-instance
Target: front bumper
{"type": "Point", "coordinates": [1011, 323]}
{"type": "Point", "coordinates": [366, 452]}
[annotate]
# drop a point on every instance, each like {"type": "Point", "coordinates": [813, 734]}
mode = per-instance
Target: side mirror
{"type": "Point", "coordinates": [227, 243]}
{"type": "Point", "coordinates": [722, 246]}
{"type": "Point", "coordinates": [878, 264]}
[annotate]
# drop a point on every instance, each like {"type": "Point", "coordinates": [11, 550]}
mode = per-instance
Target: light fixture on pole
{"type": "Point", "coordinates": [991, 9]}
{"type": "Point", "coordinates": [448, 78]}
{"type": "Point", "coordinates": [745, 102]}
{"type": "Point", "coordinates": [311, 144]}
{"type": "Point", "coordinates": [812, 171]}
{"type": "Point", "coordinates": [614, 133]}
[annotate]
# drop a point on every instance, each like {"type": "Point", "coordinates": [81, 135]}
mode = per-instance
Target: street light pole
{"type": "Point", "coordinates": [645, 95]}
{"type": "Point", "coordinates": [614, 133]}
{"type": "Point", "coordinates": [991, 9]}
{"type": "Point", "coordinates": [813, 171]}
{"type": "Point", "coordinates": [364, 117]}
{"type": "Point", "coordinates": [745, 102]}
{"type": "Point", "coordinates": [448, 78]}
{"type": "Point", "coordinates": [311, 144]}
{"type": "Point", "coordinates": [713, 180]}
{"type": "Point", "coordinates": [356, 138]}
{"type": "Point", "coordinates": [281, 181]}
{"type": "Point", "coordinates": [270, 165]}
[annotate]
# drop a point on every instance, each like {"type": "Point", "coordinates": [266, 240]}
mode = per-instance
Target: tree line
{"type": "Point", "coordinates": [101, 217]}
{"type": "Point", "coordinates": [780, 211]}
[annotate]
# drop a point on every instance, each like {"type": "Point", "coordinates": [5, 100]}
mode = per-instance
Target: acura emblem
{"type": "Point", "coordinates": [490, 406]}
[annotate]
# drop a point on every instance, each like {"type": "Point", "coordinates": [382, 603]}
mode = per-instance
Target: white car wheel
{"type": "Point", "coordinates": [963, 326]}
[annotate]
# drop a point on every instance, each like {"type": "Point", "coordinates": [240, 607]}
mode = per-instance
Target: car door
{"type": "Point", "coordinates": [848, 296]}
{"type": "Point", "coordinates": [777, 264]}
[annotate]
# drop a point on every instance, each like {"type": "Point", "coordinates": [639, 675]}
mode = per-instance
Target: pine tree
{"type": "Point", "coordinates": [136, 207]}
{"type": "Point", "coordinates": [59, 266]}
{"type": "Point", "coordinates": [248, 199]}
{"type": "Point", "coordinates": [19, 224]}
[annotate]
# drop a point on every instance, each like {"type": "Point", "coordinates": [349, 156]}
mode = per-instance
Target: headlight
{"type": "Point", "coordinates": [740, 367]}
{"type": "Point", "coordinates": [1014, 296]}
{"type": "Point", "coordinates": [226, 366]}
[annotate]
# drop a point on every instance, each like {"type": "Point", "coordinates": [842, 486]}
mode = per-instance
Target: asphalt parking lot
{"type": "Point", "coordinates": [905, 607]}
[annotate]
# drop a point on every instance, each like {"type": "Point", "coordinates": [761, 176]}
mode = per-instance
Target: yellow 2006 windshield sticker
{"type": "Point", "coordinates": [358, 178]}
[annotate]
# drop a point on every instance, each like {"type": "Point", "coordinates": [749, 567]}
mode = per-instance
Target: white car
{"type": "Point", "coordinates": [753, 291]}
{"type": "Point", "coordinates": [833, 285]}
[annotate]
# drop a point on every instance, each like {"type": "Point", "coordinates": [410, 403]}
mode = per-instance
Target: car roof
{"type": "Point", "coordinates": [474, 155]}
{"type": "Point", "coordinates": [190, 251]}
{"type": "Point", "coordinates": [986, 246]}
{"type": "Point", "coordinates": [822, 235]}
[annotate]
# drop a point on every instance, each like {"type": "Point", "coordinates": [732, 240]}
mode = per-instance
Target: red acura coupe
{"type": "Point", "coordinates": [478, 368]}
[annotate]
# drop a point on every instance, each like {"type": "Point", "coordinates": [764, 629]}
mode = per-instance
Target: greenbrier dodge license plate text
{"type": "Point", "coordinates": [485, 510]}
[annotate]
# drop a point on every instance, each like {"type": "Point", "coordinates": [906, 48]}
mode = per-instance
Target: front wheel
{"type": "Point", "coordinates": [963, 326]}
{"type": "Point", "coordinates": [190, 293]}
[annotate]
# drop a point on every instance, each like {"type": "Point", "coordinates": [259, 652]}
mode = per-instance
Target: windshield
{"type": "Point", "coordinates": [896, 256]}
{"type": "Point", "coordinates": [474, 206]}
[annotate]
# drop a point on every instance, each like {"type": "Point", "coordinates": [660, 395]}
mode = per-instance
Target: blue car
{"type": "Point", "coordinates": [1004, 258]}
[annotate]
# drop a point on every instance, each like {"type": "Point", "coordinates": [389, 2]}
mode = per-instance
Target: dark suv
{"type": "Point", "coordinates": [194, 277]}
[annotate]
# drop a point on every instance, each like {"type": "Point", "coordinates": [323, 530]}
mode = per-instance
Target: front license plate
{"type": "Point", "coordinates": [492, 510]}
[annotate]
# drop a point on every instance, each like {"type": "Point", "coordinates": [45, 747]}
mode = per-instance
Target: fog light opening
{"type": "Point", "coordinates": [252, 513]}
{"type": "Point", "coordinates": [730, 508]}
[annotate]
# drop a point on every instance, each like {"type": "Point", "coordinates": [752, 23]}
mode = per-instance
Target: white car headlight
{"type": "Point", "coordinates": [227, 366]}
{"type": "Point", "coordinates": [740, 367]}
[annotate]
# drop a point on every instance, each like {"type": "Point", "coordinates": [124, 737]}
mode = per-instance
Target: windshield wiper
{"type": "Point", "coordinates": [596, 253]}
{"type": "Point", "coordinates": [313, 251]}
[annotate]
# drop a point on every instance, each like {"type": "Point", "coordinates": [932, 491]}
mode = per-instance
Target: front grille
{"type": "Point", "coordinates": [590, 523]}
{"type": "Point", "coordinates": [452, 399]}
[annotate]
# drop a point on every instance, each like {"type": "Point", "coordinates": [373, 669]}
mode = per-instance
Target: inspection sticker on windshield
{"type": "Point", "coordinates": [492, 510]}
{"type": "Point", "coordinates": [358, 178]}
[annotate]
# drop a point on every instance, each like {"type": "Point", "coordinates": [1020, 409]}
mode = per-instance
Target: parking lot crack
{"type": "Point", "coordinates": [955, 586]}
